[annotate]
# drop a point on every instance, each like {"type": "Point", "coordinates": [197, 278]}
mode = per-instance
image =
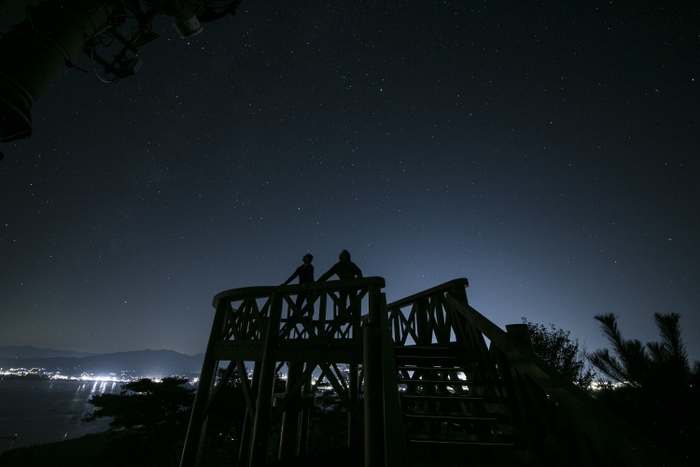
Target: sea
{"type": "Point", "coordinates": [42, 411]}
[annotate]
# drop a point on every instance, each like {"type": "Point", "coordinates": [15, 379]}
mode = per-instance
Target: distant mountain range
{"type": "Point", "coordinates": [26, 351]}
{"type": "Point", "coordinates": [155, 363]}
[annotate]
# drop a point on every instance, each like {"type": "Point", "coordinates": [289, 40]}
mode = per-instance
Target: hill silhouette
{"type": "Point", "coordinates": [139, 363]}
{"type": "Point", "coordinates": [27, 351]}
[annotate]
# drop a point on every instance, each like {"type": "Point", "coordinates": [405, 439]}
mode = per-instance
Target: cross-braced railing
{"type": "Point", "coordinates": [549, 420]}
{"type": "Point", "coordinates": [307, 328]}
{"type": "Point", "coordinates": [560, 423]}
{"type": "Point", "coordinates": [427, 370]}
{"type": "Point", "coordinates": [427, 318]}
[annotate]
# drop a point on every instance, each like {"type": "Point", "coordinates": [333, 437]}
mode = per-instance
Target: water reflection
{"type": "Point", "coordinates": [41, 411]}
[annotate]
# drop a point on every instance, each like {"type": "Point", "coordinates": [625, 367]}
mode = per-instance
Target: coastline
{"type": "Point", "coordinates": [38, 410]}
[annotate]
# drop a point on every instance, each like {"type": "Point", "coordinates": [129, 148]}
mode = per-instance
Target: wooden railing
{"type": "Point", "coordinates": [264, 326]}
{"type": "Point", "coordinates": [558, 423]}
{"type": "Point", "coordinates": [561, 423]}
{"type": "Point", "coordinates": [553, 422]}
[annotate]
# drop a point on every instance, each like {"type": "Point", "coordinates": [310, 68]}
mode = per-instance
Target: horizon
{"type": "Point", "coordinates": [88, 353]}
{"type": "Point", "coordinates": [70, 350]}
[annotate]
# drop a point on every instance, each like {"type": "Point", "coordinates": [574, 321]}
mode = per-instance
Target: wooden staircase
{"type": "Point", "coordinates": [444, 403]}
{"type": "Point", "coordinates": [450, 409]}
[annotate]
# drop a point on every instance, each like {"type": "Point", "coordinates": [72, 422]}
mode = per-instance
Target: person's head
{"type": "Point", "coordinates": [308, 257]}
{"type": "Point", "coordinates": [344, 255]}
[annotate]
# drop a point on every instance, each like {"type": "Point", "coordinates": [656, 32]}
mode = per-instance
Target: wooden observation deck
{"type": "Point", "coordinates": [426, 381]}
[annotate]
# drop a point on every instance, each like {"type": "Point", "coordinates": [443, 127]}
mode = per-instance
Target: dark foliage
{"type": "Point", "coordinates": [224, 425]}
{"type": "Point", "coordinates": [146, 404]}
{"type": "Point", "coordinates": [655, 366]}
{"type": "Point", "coordinates": [656, 389]}
{"type": "Point", "coordinates": [558, 349]}
{"type": "Point", "coordinates": [149, 421]}
{"type": "Point", "coordinates": [79, 452]}
{"type": "Point", "coordinates": [328, 424]}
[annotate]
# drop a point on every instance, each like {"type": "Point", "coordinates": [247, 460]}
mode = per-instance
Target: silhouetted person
{"type": "Point", "coordinates": [305, 273]}
{"type": "Point", "coordinates": [344, 269]}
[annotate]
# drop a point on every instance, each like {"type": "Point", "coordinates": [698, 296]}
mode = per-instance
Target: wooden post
{"type": "Point", "coordinates": [355, 441]}
{"type": "Point", "coordinates": [422, 322]}
{"type": "Point", "coordinates": [305, 415]}
{"type": "Point", "coordinates": [374, 397]}
{"type": "Point", "coordinates": [290, 418]}
{"type": "Point", "coordinates": [261, 428]}
{"type": "Point", "coordinates": [395, 444]}
{"type": "Point", "coordinates": [198, 419]}
{"type": "Point", "coordinates": [521, 334]}
{"type": "Point", "coordinates": [354, 433]}
{"type": "Point", "coordinates": [247, 430]}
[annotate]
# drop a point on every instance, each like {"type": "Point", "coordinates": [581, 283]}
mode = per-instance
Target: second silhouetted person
{"type": "Point", "coordinates": [305, 272]}
{"type": "Point", "coordinates": [344, 268]}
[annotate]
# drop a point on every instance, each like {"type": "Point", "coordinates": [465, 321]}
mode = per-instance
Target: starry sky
{"type": "Point", "coordinates": [545, 150]}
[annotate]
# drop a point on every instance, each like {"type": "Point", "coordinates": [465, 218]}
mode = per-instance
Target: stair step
{"type": "Point", "coordinates": [446, 356]}
{"type": "Point", "coordinates": [401, 349]}
{"type": "Point", "coordinates": [446, 382]}
{"type": "Point", "coordinates": [415, 367]}
{"type": "Point", "coordinates": [446, 397]}
{"type": "Point", "coordinates": [442, 363]}
{"type": "Point", "coordinates": [471, 441]}
{"type": "Point", "coordinates": [454, 399]}
{"type": "Point", "coordinates": [428, 360]}
{"type": "Point", "coordinates": [450, 416]}
{"type": "Point", "coordinates": [464, 419]}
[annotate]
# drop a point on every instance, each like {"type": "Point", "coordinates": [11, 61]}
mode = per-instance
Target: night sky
{"type": "Point", "coordinates": [547, 151]}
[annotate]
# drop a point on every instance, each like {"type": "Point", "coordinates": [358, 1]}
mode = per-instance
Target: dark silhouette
{"type": "Point", "coordinates": [149, 419]}
{"type": "Point", "coordinates": [658, 391]}
{"type": "Point", "coordinates": [344, 269]}
{"type": "Point", "coordinates": [556, 347]}
{"type": "Point", "coordinates": [305, 272]}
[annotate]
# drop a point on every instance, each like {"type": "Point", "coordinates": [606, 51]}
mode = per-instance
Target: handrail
{"type": "Point", "coordinates": [606, 432]}
{"type": "Point", "coordinates": [266, 326]}
{"type": "Point", "coordinates": [462, 282]}
{"type": "Point", "coordinates": [569, 421]}
{"type": "Point", "coordinates": [268, 290]}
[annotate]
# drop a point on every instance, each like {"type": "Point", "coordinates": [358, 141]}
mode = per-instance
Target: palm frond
{"type": "Point", "coordinates": [670, 330]}
{"type": "Point", "coordinates": [609, 365]}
